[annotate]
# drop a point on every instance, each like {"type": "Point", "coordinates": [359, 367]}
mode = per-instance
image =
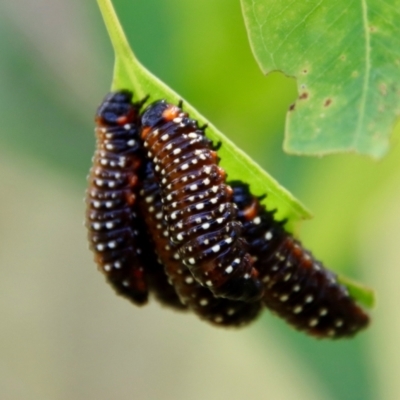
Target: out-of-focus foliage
{"type": "Point", "coordinates": [346, 58]}
{"type": "Point", "coordinates": [64, 334]}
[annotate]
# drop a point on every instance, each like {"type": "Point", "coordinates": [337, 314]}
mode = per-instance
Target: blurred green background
{"type": "Point", "coordinates": [63, 333]}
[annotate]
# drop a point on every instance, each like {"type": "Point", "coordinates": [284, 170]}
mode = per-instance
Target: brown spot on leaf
{"type": "Point", "coordinates": [383, 89]}
{"type": "Point", "coordinates": [343, 57]}
{"type": "Point", "coordinates": [303, 96]}
{"type": "Point", "coordinates": [305, 71]}
{"type": "Point", "coordinates": [327, 102]}
{"type": "Point", "coordinates": [373, 29]}
{"type": "Point", "coordinates": [292, 107]}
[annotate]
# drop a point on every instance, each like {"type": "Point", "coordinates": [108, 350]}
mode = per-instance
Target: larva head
{"type": "Point", "coordinates": [116, 109]}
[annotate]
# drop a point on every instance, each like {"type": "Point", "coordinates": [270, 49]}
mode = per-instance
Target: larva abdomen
{"type": "Point", "coordinates": [217, 311]}
{"type": "Point", "coordinates": [298, 288]}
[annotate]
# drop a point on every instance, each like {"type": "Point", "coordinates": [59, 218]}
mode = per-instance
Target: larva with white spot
{"type": "Point", "coordinates": [298, 288]}
{"type": "Point", "coordinates": [111, 216]}
{"type": "Point", "coordinates": [197, 202]}
{"type": "Point", "coordinates": [217, 311]}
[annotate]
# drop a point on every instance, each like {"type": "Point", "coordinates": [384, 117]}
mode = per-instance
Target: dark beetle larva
{"type": "Point", "coordinates": [112, 196]}
{"type": "Point", "coordinates": [298, 288]}
{"type": "Point", "coordinates": [199, 299]}
{"type": "Point", "coordinates": [197, 202]}
{"type": "Point", "coordinates": [117, 233]}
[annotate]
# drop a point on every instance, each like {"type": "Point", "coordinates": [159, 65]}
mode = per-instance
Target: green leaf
{"type": "Point", "coordinates": [345, 56]}
{"type": "Point", "coordinates": [363, 294]}
{"type": "Point", "coordinates": [130, 74]}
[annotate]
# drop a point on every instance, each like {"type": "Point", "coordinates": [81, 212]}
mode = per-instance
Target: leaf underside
{"type": "Point", "coordinates": [129, 73]}
{"type": "Point", "coordinates": [345, 56]}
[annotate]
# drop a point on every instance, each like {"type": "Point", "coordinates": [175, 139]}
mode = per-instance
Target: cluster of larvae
{"type": "Point", "coordinates": [162, 219]}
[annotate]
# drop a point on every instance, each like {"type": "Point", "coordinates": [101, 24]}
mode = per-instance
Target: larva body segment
{"type": "Point", "coordinates": [197, 203]}
{"type": "Point", "coordinates": [111, 216]}
{"type": "Point", "coordinates": [298, 288]}
{"type": "Point", "coordinates": [217, 311]}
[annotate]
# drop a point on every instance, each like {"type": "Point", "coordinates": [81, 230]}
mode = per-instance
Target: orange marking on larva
{"type": "Point", "coordinates": [221, 173]}
{"type": "Point", "coordinates": [133, 180]}
{"type": "Point", "coordinates": [214, 156]}
{"type": "Point", "coordinates": [229, 190]}
{"type": "Point", "coordinates": [122, 120]}
{"type": "Point", "coordinates": [171, 112]}
{"type": "Point", "coordinates": [145, 131]}
{"type": "Point", "coordinates": [251, 211]}
{"type": "Point", "coordinates": [130, 198]}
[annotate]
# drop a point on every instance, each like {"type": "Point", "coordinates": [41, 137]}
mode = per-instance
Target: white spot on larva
{"type": "Point", "coordinates": [109, 146]}
{"type": "Point", "coordinates": [194, 161]}
{"type": "Point", "coordinates": [274, 268]}
{"type": "Point", "coordinates": [177, 151]}
{"type": "Point", "coordinates": [246, 276]}
{"type": "Point", "coordinates": [177, 120]}
{"type": "Point", "coordinates": [192, 135]}
{"type": "Point", "coordinates": [203, 302]}
{"type": "Point", "coordinates": [198, 220]}
{"type": "Point", "coordinates": [218, 319]}
{"type": "Point", "coordinates": [207, 170]}
{"type": "Point", "coordinates": [266, 278]}
{"type": "Point", "coordinates": [112, 244]}
{"type": "Point", "coordinates": [214, 189]}
{"type": "Point", "coordinates": [193, 188]}
{"type": "Point", "coordinates": [221, 208]}
{"type": "Point", "coordinates": [127, 127]}
{"type": "Point", "coordinates": [199, 206]}
{"type": "Point", "coordinates": [156, 132]}
{"type": "Point", "coordinates": [284, 298]}
{"type": "Point", "coordinates": [174, 204]}
{"type": "Point", "coordinates": [111, 184]}
{"type": "Point", "coordinates": [169, 197]}
{"type": "Point", "coordinates": [338, 323]}
{"type": "Point", "coordinates": [268, 236]}
{"type": "Point", "coordinates": [309, 298]}
{"type": "Point", "coordinates": [202, 157]}
{"type": "Point", "coordinates": [331, 332]}
{"type": "Point", "coordinates": [168, 146]}
{"type": "Point", "coordinates": [206, 181]}
{"type": "Point", "coordinates": [206, 242]}
{"type": "Point", "coordinates": [107, 267]}
{"type": "Point", "coordinates": [174, 215]}
{"type": "Point", "coordinates": [179, 236]}
{"type": "Point", "coordinates": [99, 182]}
{"type": "Point", "coordinates": [125, 283]}
{"type": "Point", "coordinates": [100, 247]}
{"type": "Point", "coordinates": [228, 240]}
{"type": "Point", "coordinates": [96, 226]}
{"type": "Point", "coordinates": [117, 265]}
{"type": "Point", "coordinates": [323, 312]}
{"type": "Point", "coordinates": [298, 309]}
{"type": "Point", "coordinates": [109, 225]}
{"type": "Point", "coordinates": [205, 226]}
{"type": "Point", "coordinates": [220, 220]}
{"type": "Point", "coordinates": [103, 161]}
{"type": "Point", "coordinates": [177, 161]}
{"type": "Point", "coordinates": [109, 204]}
{"type": "Point", "coordinates": [179, 225]}
{"type": "Point", "coordinates": [313, 322]}
{"type": "Point", "coordinates": [151, 209]}
{"type": "Point", "coordinates": [131, 142]}
{"type": "Point", "coordinates": [149, 199]}
{"type": "Point", "coordinates": [257, 220]}
{"type": "Point", "coordinates": [229, 269]}
{"type": "Point", "coordinates": [165, 137]}
{"type": "Point", "coordinates": [176, 256]}
{"type": "Point", "coordinates": [296, 288]}
{"type": "Point", "coordinates": [209, 283]}
{"type": "Point", "coordinates": [189, 280]}
{"type": "Point", "coordinates": [230, 311]}
{"type": "Point", "coordinates": [287, 277]}
{"type": "Point", "coordinates": [216, 248]}
{"type": "Point", "coordinates": [214, 200]}
{"type": "Point", "coordinates": [184, 167]}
